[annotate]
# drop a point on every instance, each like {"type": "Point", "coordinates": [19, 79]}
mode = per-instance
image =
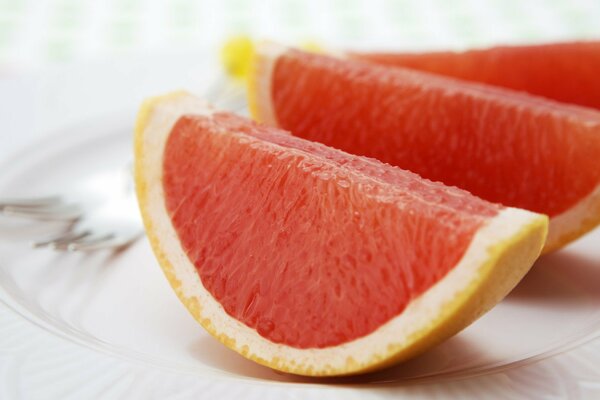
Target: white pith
{"type": "Point", "coordinates": [572, 220]}
{"type": "Point", "coordinates": [398, 331]}
{"type": "Point", "coordinates": [271, 51]}
{"type": "Point", "coordinates": [562, 228]}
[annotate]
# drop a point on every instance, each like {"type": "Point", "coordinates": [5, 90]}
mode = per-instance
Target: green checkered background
{"type": "Point", "coordinates": [36, 33]}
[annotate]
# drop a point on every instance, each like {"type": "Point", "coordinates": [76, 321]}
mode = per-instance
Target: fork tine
{"type": "Point", "coordinates": [89, 240]}
{"type": "Point", "coordinates": [112, 243]}
{"type": "Point", "coordinates": [65, 238]}
{"type": "Point", "coordinates": [62, 244]}
{"type": "Point", "coordinates": [117, 242]}
{"type": "Point", "coordinates": [33, 202]}
{"type": "Point", "coordinates": [65, 213]}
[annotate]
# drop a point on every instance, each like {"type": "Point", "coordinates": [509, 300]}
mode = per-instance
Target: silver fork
{"type": "Point", "coordinates": [109, 221]}
{"type": "Point", "coordinates": [92, 221]}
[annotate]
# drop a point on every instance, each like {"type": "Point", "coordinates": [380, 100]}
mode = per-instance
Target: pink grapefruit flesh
{"type": "Point", "coordinates": [504, 146]}
{"type": "Point", "coordinates": [311, 260]}
{"type": "Point", "coordinates": [336, 227]}
{"type": "Point", "coordinates": [567, 72]}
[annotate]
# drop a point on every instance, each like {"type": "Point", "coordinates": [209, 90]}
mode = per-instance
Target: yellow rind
{"type": "Point", "coordinates": [252, 87]}
{"type": "Point", "coordinates": [508, 261]}
{"type": "Point", "coordinates": [236, 55]}
{"type": "Point", "coordinates": [260, 62]}
{"type": "Point", "coordinates": [257, 62]}
{"type": "Point", "coordinates": [507, 264]}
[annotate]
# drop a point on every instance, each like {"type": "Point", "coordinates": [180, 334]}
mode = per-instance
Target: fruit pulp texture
{"type": "Point", "coordinates": [309, 246]}
{"type": "Point", "coordinates": [504, 146]}
{"type": "Point", "coordinates": [566, 72]}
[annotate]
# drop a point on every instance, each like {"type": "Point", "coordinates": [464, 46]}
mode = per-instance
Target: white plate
{"type": "Point", "coordinates": [117, 310]}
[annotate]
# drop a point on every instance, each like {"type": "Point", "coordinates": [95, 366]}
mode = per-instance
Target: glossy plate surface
{"type": "Point", "coordinates": [108, 324]}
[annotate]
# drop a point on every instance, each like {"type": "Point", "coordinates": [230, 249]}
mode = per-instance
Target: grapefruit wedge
{"type": "Point", "coordinates": [309, 260]}
{"type": "Point", "coordinates": [504, 146]}
{"type": "Point", "coordinates": [567, 72]}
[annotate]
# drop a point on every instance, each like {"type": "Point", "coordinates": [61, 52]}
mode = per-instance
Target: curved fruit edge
{"type": "Point", "coordinates": [508, 262]}
{"type": "Point", "coordinates": [499, 256]}
{"type": "Point", "coordinates": [563, 229]}
{"type": "Point", "coordinates": [258, 82]}
{"type": "Point", "coordinates": [574, 223]}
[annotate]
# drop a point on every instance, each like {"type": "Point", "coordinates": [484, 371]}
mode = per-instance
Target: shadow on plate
{"type": "Point", "coordinates": [420, 368]}
{"type": "Point", "coordinates": [560, 278]}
